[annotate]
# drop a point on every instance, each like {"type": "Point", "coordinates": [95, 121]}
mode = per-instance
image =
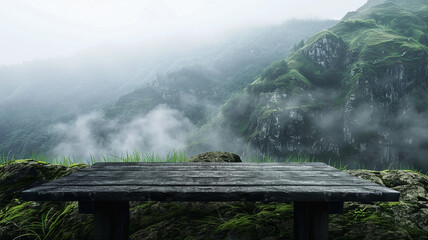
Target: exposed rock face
{"type": "Point", "coordinates": [282, 129]}
{"type": "Point", "coordinates": [327, 51]}
{"type": "Point", "coordinates": [215, 157]}
{"type": "Point", "coordinates": [365, 104]}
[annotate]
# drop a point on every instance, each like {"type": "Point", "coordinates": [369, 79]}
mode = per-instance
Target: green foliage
{"type": "Point", "coordinates": [49, 227]}
{"type": "Point", "coordinates": [33, 220]}
{"type": "Point", "coordinates": [303, 72]}
{"type": "Point", "coordinates": [138, 102]}
{"type": "Point", "coordinates": [291, 82]}
{"type": "Point", "coordinates": [70, 161]}
{"type": "Point", "coordinates": [275, 70]}
{"type": "Point", "coordinates": [297, 46]}
{"type": "Point", "coordinates": [238, 109]}
{"type": "Point", "coordinates": [417, 233]}
{"type": "Point", "coordinates": [323, 34]}
{"type": "Point", "coordinates": [358, 24]}
{"type": "Point", "coordinates": [321, 77]}
{"type": "Point", "coordinates": [401, 18]}
{"type": "Point", "coordinates": [43, 221]}
{"type": "Point", "coordinates": [424, 39]}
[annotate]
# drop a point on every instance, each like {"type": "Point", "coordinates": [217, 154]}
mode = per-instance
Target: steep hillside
{"type": "Point", "coordinates": [198, 88]}
{"type": "Point", "coordinates": [357, 93]}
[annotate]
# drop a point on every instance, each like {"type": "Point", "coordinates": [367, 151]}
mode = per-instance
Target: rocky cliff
{"type": "Point", "coordinates": [355, 93]}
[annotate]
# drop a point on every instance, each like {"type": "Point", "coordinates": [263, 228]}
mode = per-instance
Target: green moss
{"type": "Point", "coordinates": [260, 221]}
{"type": "Point", "coordinates": [19, 175]}
{"type": "Point", "coordinates": [32, 220]}
{"type": "Point", "coordinates": [417, 233]}
{"type": "Point", "coordinates": [174, 220]}
{"type": "Point", "coordinates": [415, 171]}
{"type": "Point", "coordinates": [78, 165]}
{"type": "Point", "coordinates": [241, 223]}
{"type": "Point", "coordinates": [388, 206]}
{"type": "Point", "coordinates": [212, 220]}
{"type": "Point", "coordinates": [366, 216]}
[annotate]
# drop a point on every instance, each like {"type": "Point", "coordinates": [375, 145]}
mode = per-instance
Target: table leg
{"type": "Point", "coordinates": [111, 220]}
{"type": "Point", "coordinates": [311, 221]}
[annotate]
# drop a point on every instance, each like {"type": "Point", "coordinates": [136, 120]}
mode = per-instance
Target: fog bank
{"type": "Point", "coordinates": [160, 131]}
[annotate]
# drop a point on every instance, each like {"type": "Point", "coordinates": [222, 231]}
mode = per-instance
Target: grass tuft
{"type": "Point", "coordinates": [134, 156]}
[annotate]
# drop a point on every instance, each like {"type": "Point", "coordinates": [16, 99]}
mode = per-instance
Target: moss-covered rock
{"type": "Point", "coordinates": [38, 220]}
{"type": "Point", "coordinates": [406, 219]}
{"type": "Point", "coordinates": [215, 157]}
{"type": "Point", "coordinates": [213, 220]}
{"type": "Point", "coordinates": [19, 175]}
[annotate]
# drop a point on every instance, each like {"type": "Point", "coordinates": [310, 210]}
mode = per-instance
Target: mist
{"type": "Point", "coordinates": [160, 131]}
{"type": "Point", "coordinates": [50, 29]}
{"type": "Point", "coordinates": [65, 66]}
{"type": "Point", "coordinates": [368, 134]}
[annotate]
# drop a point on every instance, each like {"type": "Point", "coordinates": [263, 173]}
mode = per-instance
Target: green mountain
{"type": "Point", "coordinates": [357, 93]}
{"type": "Point", "coordinates": [198, 88]}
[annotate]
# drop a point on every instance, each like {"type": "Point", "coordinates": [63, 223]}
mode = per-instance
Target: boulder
{"type": "Point", "coordinates": [215, 157]}
{"type": "Point", "coordinates": [406, 219]}
{"type": "Point", "coordinates": [27, 220]}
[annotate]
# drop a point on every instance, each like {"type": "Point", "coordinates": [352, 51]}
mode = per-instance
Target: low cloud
{"type": "Point", "coordinates": [162, 130]}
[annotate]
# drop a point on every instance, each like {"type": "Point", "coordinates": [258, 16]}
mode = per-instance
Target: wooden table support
{"type": "Point", "coordinates": [311, 221]}
{"type": "Point", "coordinates": [111, 220]}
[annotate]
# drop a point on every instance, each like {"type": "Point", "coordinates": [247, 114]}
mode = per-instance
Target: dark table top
{"type": "Point", "coordinates": [210, 181]}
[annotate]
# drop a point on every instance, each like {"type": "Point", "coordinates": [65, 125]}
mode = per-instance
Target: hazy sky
{"type": "Point", "coordinates": [38, 29]}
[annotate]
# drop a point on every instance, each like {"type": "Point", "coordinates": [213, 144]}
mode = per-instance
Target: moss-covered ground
{"type": "Point", "coordinates": [407, 219]}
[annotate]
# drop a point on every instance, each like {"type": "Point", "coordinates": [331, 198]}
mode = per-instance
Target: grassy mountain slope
{"type": "Point", "coordinates": [355, 92]}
